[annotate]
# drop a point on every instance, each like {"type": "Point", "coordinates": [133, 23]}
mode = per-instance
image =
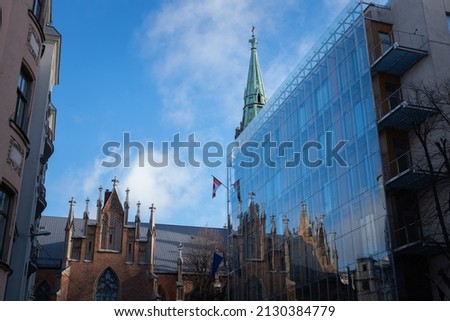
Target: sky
{"type": "Point", "coordinates": [148, 72]}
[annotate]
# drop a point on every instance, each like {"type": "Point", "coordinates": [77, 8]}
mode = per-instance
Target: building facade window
{"type": "Point", "coordinates": [162, 293]}
{"type": "Point", "coordinates": [448, 20]}
{"type": "Point", "coordinates": [142, 254]}
{"type": "Point", "coordinates": [254, 289]}
{"type": "Point", "coordinates": [38, 8]}
{"type": "Point", "coordinates": [130, 251]}
{"type": "Point", "coordinates": [51, 121]}
{"type": "Point", "coordinates": [90, 248]}
{"type": "Point", "coordinates": [385, 41]}
{"type": "Point", "coordinates": [23, 100]}
{"type": "Point", "coordinates": [76, 249]}
{"type": "Point", "coordinates": [5, 200]}
{"type": "Point", "coordinates": [107, 287]}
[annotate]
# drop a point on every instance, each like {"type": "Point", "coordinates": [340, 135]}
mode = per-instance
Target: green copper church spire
{"type": "Point", "coordinates": [255, 94]}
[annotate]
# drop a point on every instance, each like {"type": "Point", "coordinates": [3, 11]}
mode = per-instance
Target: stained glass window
{"type": "Point", "coordinates": [107, 287]}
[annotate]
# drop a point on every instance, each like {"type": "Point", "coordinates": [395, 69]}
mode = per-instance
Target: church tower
{"type": "Point", "coordinates": [255, 94]}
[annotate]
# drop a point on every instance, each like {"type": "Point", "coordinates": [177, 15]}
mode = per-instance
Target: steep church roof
{"type": "Point", "coordinates": [166, 248]}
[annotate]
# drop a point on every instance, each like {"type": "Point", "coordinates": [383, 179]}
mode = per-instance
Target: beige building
{"type": "Point", "coordinates": [29, 68]}
{"type": "Point", "coordinates": [409, 55]}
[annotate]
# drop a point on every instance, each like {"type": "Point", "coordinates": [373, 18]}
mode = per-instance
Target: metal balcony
{"type": "Point", "coordinates": [408, 236]}
{"type": "Point", "coordinates": [48, 145]}
{"type": "Point", "coordinates": [408, 171]}
{"type": "Point", "coordinates": [41, 201]}
{"type": "Point", "coordinates": [397, 111]}
{"type": "Point", "coordinates": [33, 265]}
{"type": "Point", "coordinates": [410, 239]}
{"type": "Point", "coordinates": [398, 52]}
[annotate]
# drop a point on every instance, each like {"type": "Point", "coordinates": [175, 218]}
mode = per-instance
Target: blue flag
{"type": "Point", "coordinates": [217, 259]}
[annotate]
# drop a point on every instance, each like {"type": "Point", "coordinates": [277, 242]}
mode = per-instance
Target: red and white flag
{"type": "Point", "coordinates": [216, 184]}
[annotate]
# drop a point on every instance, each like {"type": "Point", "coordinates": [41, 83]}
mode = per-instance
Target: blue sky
{"type": "Point", "coordinates": [155, 69]}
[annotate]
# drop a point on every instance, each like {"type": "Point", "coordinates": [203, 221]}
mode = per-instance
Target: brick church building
{"type": "Point", "coordinates": [110, 258]}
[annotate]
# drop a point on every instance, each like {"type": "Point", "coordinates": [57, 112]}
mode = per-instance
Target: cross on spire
{"type": "Point", "coordinates": [152, 209]}
{"type": "Point", "coordinates": [253, 41]}
{"type": "Point", "coordinates": [137, 217]}
{"type": "Point", "coordinates": [254, 94]}
{"type": "Point", "coordinates": [115, 181]}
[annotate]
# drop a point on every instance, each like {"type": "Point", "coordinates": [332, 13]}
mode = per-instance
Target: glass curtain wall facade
{"type": "Point", "coordinates": [308, 214]}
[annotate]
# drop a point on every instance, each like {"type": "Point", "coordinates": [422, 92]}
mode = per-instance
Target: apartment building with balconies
{"type": "Point", "coordinates": [29, 69]}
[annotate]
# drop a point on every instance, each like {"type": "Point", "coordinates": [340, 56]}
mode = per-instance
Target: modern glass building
{"type": "Point", "coordinates": [310, 220]}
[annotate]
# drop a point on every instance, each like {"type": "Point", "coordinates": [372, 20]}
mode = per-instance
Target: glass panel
{"type": "Point", "coordinates": [385, 41]}
{"type": "Point", "coordinates": [324, 218]}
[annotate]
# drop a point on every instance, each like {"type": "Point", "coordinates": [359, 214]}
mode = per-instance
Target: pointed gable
{"type": "Point", "coordinates": [113, 204]}
{"type": "Point", "coordinates": [112, 222]}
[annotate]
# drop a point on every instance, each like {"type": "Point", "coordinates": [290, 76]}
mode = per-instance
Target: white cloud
{"type": "Point", "coordinates": [199, 54]}
{"type": "Point", "coordinates": [182, 195]}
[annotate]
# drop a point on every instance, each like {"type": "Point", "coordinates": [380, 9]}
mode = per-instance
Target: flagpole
{"type": "Point", "coordinates": [229, 228]}
{"type": "Point", "coordinates": [228, 198]}
{"type": "Point", "coordinates": [229, 234]}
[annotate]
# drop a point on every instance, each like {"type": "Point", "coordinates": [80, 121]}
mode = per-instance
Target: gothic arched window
{"type": "Point", "coordinates": [162, 293]}
{"type": "Point", "coordinates": [43, 292]}
{"type": "Point", "coordinates": [107, 286]}
{"type": "Point", "coordinates": [254, 289]}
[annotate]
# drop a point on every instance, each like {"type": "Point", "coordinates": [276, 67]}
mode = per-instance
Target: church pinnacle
{"type": "Point", "coordinates": [255, 94]}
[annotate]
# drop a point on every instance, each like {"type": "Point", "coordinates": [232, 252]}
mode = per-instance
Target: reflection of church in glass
{"type": "Point", "coordinates": [313, 227]}
{"type": "Point", "coordinates": [264, 262]}
{"type": "Point", "coordinates": [295, 263]}
{"type": "Point", "coordinates": [267, 262]}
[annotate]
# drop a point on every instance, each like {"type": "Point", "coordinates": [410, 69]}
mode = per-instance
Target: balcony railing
{"type": "Point", "coordinates": [401, 110]}
{"type": "Point", "coordinates": [397, 52]}
{"type": "Point", "coordinates": [33, 265]}
{"type": "Point", "coordinates": [408, 171]}
{"type": "Point", "coordinates": [408, 235]}
{"type": "Point", "coordinates": [48, 146]}
{"type": "Point", "coordinates": [41, 201]}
